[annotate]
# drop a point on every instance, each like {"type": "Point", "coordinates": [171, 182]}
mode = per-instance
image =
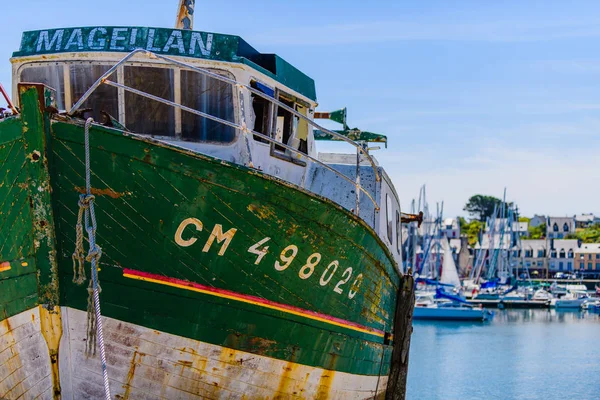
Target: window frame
{"type": "Point", "coordinates": [119, 75]}
{"type": "Point", "coordinates": [273, 150]}
{"type": "Point", "coordinates": [235, 99]}
{"type": "Point", "coordinates": [398, 232]}
{"type": "Point", "coordinates": [389, 218]}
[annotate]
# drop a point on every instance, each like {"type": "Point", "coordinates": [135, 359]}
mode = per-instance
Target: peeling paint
{"type": "Point", "coordinates": [5, 266]}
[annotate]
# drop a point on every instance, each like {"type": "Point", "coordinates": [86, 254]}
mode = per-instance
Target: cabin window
{"type": "Point", "coordinates": [289, 129]}
{"type": "Point", "coordinates": [104, 98]}
{"type": "Point", "coordinates": [301, 129]}
{"type": "Point", "coordinates": [50, 75]}
{"type": "Point", "coordinates": [263, 110]}
{"type": "Point", "coordinates": [284, 125]}
{"type": "Point", "coordinates": [389, 216]}
{"type": "Point", "coordinates": [144, 115]}
{"type": "Point", "coordinates": [398, 232]}
{"type": "Point", "coordinates": [211, 96]}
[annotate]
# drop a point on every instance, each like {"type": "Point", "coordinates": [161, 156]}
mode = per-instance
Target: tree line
{"type": "Point", "coordinates": [481, 207]}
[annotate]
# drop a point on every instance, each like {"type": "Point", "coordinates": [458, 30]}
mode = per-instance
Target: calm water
{"type": "Point", "coordinates": [522, 354]}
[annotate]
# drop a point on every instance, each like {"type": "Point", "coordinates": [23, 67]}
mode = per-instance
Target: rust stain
{"type": "Point", "coordinates": [261, 345]}
{"type": "Point", "coordinates": [325, 382]}
{"type": "Point", "coordinates": [135, 360]}
{"type": "Point", "coordinates": [288, 384]}
{"type": "Point", "coordinates": [262, 212]}
{"type": "Point", "coordinates": [6, 323]}
{"type": "Point", "coordinates": [51, 328]}
{"type": "Point", "coordinates": [103, 192]}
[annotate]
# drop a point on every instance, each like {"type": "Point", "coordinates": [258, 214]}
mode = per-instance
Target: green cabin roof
{"type": "Point", "coordinates": [173, 42]}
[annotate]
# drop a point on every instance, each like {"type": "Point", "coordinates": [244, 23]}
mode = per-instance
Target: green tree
{"type": "Point", "coordinates": [482, 207]}
{"type": "Point", "coordinates": [590, 234]}
{"type": "Point", "coordinates": [537, 232]}
{"type": "Point", "coordinates": [524, 219]}
{"type": "Point", "coordinates": [464, 225]}
{"type": "Point", "coordinates": [472, 231]}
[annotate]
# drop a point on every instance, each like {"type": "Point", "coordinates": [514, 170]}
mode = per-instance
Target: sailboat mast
{"type": "Point", "coordinates": [185, 15]}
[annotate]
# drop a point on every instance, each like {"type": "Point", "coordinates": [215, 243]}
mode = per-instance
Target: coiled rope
{"type": "Point", "coordinates": [86, 212]}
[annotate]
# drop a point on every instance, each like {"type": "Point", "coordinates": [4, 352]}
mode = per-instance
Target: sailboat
{"type": "Point", "coordinates": [447, 303]}
{"type": "Point", "coordinates": [168, 229]}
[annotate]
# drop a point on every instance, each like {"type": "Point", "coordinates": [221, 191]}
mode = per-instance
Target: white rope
{"type": "Point", "coordinates": [86, 210]}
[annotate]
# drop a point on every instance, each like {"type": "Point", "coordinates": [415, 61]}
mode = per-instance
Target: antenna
{"type": "Point", "coordinates": [185, 15]}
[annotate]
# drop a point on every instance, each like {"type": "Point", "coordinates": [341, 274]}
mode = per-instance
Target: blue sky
{"type": "Point", "coordinates": [474, 96]}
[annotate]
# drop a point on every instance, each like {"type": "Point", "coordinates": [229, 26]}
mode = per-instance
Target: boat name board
{"type": "Point", "coordinates": [288, 255]}
{"type": "Point", "coordinates": [173, 42]}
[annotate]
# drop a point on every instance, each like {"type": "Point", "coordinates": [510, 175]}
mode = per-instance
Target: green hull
{"type": "Point", "coordinates": [184, 240]}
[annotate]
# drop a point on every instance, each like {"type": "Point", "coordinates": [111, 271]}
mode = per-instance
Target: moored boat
{"type": "Point", "coordinates": [428, 306]}
{"type": "Point", "coordinates": [573, 299]}
{"type": "Point", "coordinates": [235, 261]}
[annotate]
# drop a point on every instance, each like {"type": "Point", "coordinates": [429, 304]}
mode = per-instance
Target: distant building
{"type": "Point", "coordinates": [451, 228]}
{"type": "Point", "coordinates": [587, 260]}
{"type": "Point", "coordinates": [559, 227]}
{"type": "Point", "coordinates": [533, 257]}
{"type": "Point", "coordinates": [584, 220]}
{"type": "Point", "coordinates": [562, 255]}
{"type": "Point", "coordinates": [537, 220]}
{"type": "Point", "coordinates": [522, 229]}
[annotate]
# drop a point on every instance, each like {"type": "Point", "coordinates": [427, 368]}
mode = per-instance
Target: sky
{"type": "Point", "coordinates": [474, 96]}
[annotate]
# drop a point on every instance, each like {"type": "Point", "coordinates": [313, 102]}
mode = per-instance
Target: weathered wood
{"type": "Point", "coordinates": [396, 389]}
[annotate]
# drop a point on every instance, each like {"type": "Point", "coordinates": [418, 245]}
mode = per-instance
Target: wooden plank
{"type": "Point", "coordinates": [396, 388]}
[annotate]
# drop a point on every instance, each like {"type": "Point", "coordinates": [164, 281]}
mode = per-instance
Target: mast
{"type": "Point", "coordinates": [185, 15]}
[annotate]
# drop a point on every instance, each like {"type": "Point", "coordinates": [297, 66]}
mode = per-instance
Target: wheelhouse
{"type": "Point", "coordinates": [71, 60]}
{"type": "Point", "coordinates": [212, 94]}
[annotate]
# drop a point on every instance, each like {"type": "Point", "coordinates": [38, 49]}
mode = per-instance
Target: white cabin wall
{"type": "Point", "coordinates": [387, 189]}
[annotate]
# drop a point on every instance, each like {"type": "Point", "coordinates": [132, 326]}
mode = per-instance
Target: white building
{"type": "Point", "coordinates": [537, 220]}
{"type": "Point", "coordinates": [559, 227]}
{"type": "Point", "coordinates": [584, 220]}
{"type": "Point", "coordinates": [562, 255]}
{"type": "Point", "coordinates": [451, 228]}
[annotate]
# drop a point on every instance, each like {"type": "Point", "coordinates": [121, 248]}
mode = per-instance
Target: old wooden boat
{"type": "Point", "coordinates": [235, 261]}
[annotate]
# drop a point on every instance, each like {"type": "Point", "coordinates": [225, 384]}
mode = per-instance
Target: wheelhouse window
{"type": "Point", "coordinates": [211, 96]}
{"type": "Point", "coordinates": [50, 75]}
{"type": "Point", "coordinates": [138, 113]}
{"type": "Point", "coordinates": [398, 232]}
{"type": "Point", "coordinates": [389, 215]}
{"type": "Point", "coordinates": [280, 124]}
{"type": "Point", "coordinates": [263, 109]}
{"type": "Point", "coordinates": [284, 125]}
{"type": "Point", "coordinates": [144, 115]}
{"type": "Point", "coordinates": [290, 129]}
{"type": "Point", "coordinates": [104, 98]}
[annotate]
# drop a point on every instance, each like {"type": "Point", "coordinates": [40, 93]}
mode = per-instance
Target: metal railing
{"type": "Point", "coordinates": [361, 151]}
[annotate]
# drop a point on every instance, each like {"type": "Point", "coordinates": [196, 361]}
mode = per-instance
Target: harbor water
{"type": "Point", "coordinates": [520, 354]}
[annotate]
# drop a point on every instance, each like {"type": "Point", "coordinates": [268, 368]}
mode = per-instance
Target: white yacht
{"type": "Point", "coordinates": [573, 299]}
